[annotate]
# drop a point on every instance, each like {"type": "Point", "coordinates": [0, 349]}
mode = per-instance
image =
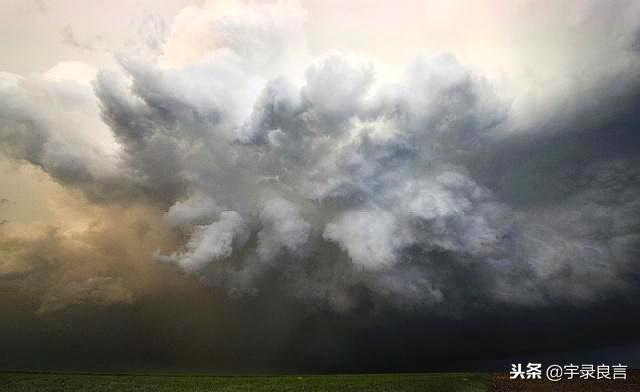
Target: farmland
{"type": "Point", "coordinates": [440, 382]}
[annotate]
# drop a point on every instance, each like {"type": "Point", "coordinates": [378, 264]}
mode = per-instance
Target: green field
{"type": "Point", "coordinates": [437, 382]}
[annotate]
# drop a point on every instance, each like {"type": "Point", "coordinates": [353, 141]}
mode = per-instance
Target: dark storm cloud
{"type": "Point", "coordinates": [336, 222]}
{"type": "Point", "coordinates": [377, 174]}
{"type": "Point", "coordinates": [579, 178]}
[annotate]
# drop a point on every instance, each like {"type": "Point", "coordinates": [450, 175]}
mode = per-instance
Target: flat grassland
{"type": "Point", "coordinates": [423, 382]}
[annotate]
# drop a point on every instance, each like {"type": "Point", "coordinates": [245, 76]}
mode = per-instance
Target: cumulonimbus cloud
{"type": "Point", "coordinates": [327, 175]}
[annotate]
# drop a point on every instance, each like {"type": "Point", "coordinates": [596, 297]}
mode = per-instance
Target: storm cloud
{"type": "Point", "coordinates": [319, 186]}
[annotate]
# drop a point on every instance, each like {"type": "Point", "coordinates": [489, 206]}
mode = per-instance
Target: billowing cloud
{"type": "Point", "coordinates": [194, 210]}
{"type": "Point", "coordinates": [371, 238]}
{"type": "Point", "coordinates": [375, 167]}
{"type": "Point", "coordinates": [282, 229]}
{"type": "Point", "coordinates": [320, 179]}
{"type": "Point", "coordinates": [211, 242]}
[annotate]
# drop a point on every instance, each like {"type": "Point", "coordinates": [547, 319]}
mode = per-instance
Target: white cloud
{"type": "Point", "coordinates": [211, 242]}
{"type": "Point", "coordinates": [372, 238]}
{"type": "Point", "coordinates": [282, 229]}
{"type": "Point", "coordinates": [196, 210]}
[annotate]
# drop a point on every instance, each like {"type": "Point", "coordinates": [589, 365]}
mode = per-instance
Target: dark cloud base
{"type": "Point", "coordinates": [169, 335]}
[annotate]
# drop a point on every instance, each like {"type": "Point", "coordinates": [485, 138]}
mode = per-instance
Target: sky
{"type": "Point", "coordinates": [283, 186]}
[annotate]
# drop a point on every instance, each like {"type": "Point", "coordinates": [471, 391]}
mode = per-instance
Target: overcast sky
{"type": "Point", "coordinates": [311, 185]}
